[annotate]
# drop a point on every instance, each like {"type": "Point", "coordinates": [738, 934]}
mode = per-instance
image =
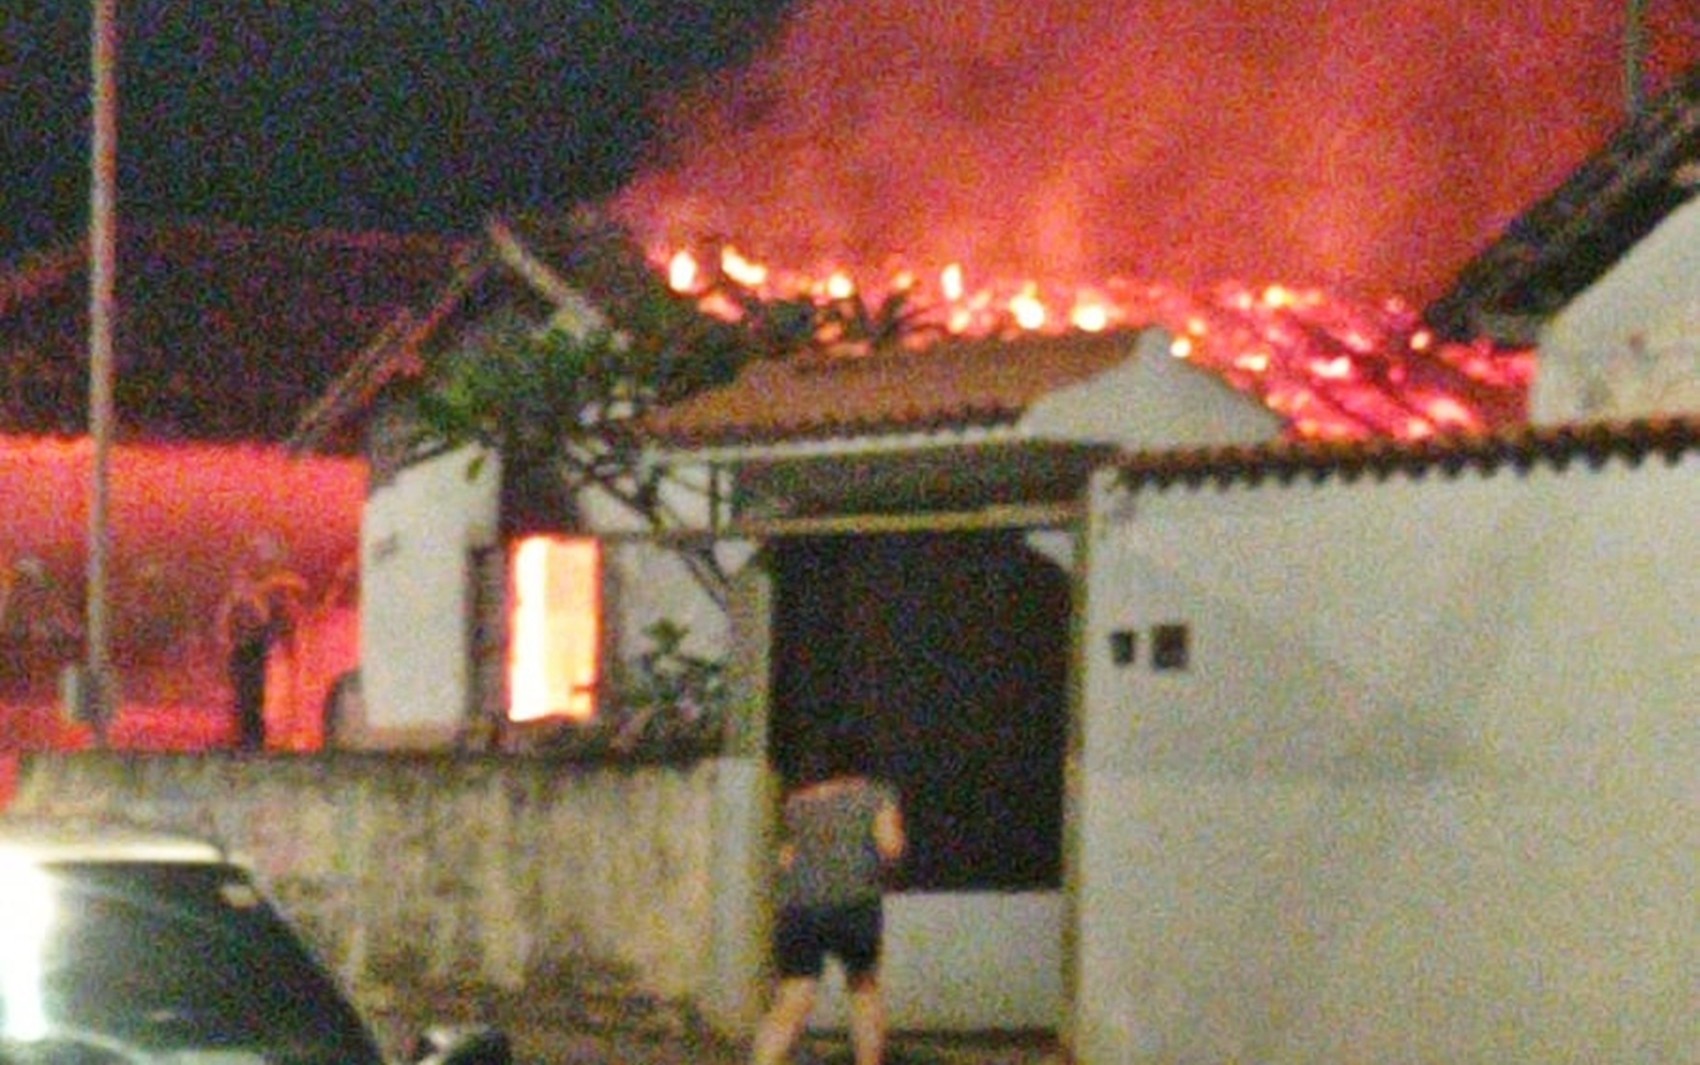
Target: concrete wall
{"type": "Point", "coordinates": [418, 869]}
{"type": "Point", "coordinates": [1427, 791]}
{"type": "Point", "coordinates": [648, 582]}
{"type": "Point", "coordinates": [1153, 400]}
{"type": "Point", "coordinates": [964, 962]}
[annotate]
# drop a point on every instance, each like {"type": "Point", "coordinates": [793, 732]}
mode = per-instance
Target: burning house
{"type": "Point", "coordinates": [1253, 658]}
{"type": "Point", "coordinates": [1276, 672]}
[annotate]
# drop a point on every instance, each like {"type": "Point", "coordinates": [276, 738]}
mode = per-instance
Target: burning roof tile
{"type": "Point", "coordinates": [1568, 240]}
{"type": "Point", "coordinates": [223, 333]}
{"type": "Point", "coordinates": [1328, 367]}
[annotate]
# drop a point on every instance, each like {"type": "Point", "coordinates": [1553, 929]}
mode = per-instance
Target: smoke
{"type": "Point", "coordinates": [1367, 146]}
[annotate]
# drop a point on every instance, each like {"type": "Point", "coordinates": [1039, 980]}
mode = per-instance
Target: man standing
{"type": "Point", "coordinates": [843, 832]}
{"type": "Point", "coordinates": [246, 630]}
{"type": "Point", "coordinates": [260, 610]}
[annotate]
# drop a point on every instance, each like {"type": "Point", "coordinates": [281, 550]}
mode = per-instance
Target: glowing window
{"type": "Point", "coordinates": [555, 628]}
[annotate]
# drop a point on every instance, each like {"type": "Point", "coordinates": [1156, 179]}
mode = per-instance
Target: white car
{"type": "Point", "coordinates": [121, 946]}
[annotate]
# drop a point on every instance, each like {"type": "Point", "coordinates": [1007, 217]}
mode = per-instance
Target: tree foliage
{"type": "Point", "coordinates": [570, 396]}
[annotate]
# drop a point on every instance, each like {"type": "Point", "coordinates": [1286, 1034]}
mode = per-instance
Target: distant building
{"type": "Point", "coordinates": [224, 335]}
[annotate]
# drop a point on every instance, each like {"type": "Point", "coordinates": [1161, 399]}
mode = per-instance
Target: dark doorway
{"type": "Point", "coordinates": [953, 650]}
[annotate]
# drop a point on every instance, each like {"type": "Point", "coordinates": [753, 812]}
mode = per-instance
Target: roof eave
{"type": "Point", "coordinates": [1564, 242]}
{"type": "Point", "coordinates": [729, 453]}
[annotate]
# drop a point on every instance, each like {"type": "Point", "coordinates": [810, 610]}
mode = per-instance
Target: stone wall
{"type": "Point", "coordinates": [410, 870]}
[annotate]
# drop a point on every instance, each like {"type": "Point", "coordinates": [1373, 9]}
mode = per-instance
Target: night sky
{"type": "Point", "coordinates": [363, 114]}
{"type": "Point", "coordinates": [1369, 147]}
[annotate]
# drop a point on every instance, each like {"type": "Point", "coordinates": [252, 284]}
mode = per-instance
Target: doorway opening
{"type": "Point", "coordinates": [951, 650]}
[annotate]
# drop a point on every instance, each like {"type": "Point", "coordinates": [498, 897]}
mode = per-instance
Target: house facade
{"type": "Point", "coordinates": [816, 526]}
{"type": "Point", "coordinates": [1420, 789]}
{"type": "Point", "coordinates": [1363, 750]}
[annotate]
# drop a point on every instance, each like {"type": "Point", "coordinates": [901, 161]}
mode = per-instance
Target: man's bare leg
{"type": "Point", "coordinates": [867, 1018]}
{"type": "Point", "coordinates": [783, 1023]}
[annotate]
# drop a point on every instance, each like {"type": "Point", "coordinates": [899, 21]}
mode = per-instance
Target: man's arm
{"type": "Point", "coordinates": [889, 838]}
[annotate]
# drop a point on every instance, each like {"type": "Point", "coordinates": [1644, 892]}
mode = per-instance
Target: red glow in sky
{"type": "Point", "coordinates": [182, 519]}
{"type": "Point", "coordinates": [1368, 148]}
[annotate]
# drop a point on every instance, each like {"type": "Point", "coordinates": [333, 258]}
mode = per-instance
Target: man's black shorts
{"type": "Point", "coordinates": [806, 935]}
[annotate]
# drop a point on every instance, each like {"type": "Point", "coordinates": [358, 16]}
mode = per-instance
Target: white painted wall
{"type": "Point", "coordinates": [648, 582]}
{"type": "Point", "coordinates": [1153, 400]}
{"type": "Point", "coordinates": [416, 535]}
{"type": "Point", "coordinates": [1427, 792]}
{"type": "Point", "coordinates": [1630, 345]}
{"type": "Point", "coordinates": [965, 962]}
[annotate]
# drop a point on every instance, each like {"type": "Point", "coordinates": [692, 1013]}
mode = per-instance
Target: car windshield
{"type": "Point", "coordinates": [173, 962]}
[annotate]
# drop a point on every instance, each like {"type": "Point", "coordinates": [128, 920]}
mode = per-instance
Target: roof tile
{"type": "Point", "coordinates": [1592, 444]}
{"type": "Point", "coordinates": [951, 385]}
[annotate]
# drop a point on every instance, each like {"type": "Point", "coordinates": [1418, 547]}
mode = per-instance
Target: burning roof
{"type": "Point", "coordinates": [1020, 167]}
{"type": "Point", "coordinates": [1331, 367]}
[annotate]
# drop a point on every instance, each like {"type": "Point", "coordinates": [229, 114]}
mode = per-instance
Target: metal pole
{"type": "Point", "coordinates": [1635, 55]}
{"type": "Point", "coordinates": [103, 254]}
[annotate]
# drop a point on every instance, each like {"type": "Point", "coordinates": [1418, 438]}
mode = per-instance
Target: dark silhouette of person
{"type": "Point", "coordinates": [256, 615]}
{"type": "Point", "coordinates": [248, 625]}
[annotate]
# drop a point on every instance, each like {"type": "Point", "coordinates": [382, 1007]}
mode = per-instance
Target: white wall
{"type": "Point", "coordinates": [439, 870]}
{"type": "Point", "coordinates": [648, 582]}
{"type": "Point", "coordinates": [1428, 790]}
{"type": "Point", "coordinates": [1630, 345]}
{"type": "Point", "coordinates": [1153, 400]}
{"type": "Point", "coordinates": [416, 537]}
{"type": "Point", "coordinates": [965, 962]}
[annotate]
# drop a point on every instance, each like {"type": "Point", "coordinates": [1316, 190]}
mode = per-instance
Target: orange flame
{"type": "Point", "coordinates": [683, 274]}
{"type": "Point", "coordinates": [950, 282]}
{"type": "Point", "coordinates": [1333, 367]}
{"type": "Point", "coordinates": [1028, 310]}
{"type": "Point", "coordinates": [744, 271]}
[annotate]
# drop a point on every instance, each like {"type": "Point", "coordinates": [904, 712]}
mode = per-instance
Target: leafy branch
{"type": "Point", "coordinates": [569, 400]}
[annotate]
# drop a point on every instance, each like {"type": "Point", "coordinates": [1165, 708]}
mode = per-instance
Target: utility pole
{"type": "Point", "coordinates": [1635, 55]}
{"type": "Point", "coordinates": [96, 692]}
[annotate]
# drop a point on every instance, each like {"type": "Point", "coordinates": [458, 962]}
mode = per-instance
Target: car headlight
{"type": "Point", "coordinates": [26, 916]}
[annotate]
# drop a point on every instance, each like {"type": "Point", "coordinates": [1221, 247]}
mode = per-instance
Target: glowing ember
{"type": "Point", "coordinates": [1333, 367]}
{"type": "Point", "coordinates": [1027, 309]}
{"type": "Point", "coordinates": [1090, 316]}
{"type": "Point", "coordinates": [742, 270]}
{"type": "Point", "coordinates": [682, 272]}
{"type": "Point", "coordinates": [950, 282]}
{"type": "Point", "coordinates": [838, 286]}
